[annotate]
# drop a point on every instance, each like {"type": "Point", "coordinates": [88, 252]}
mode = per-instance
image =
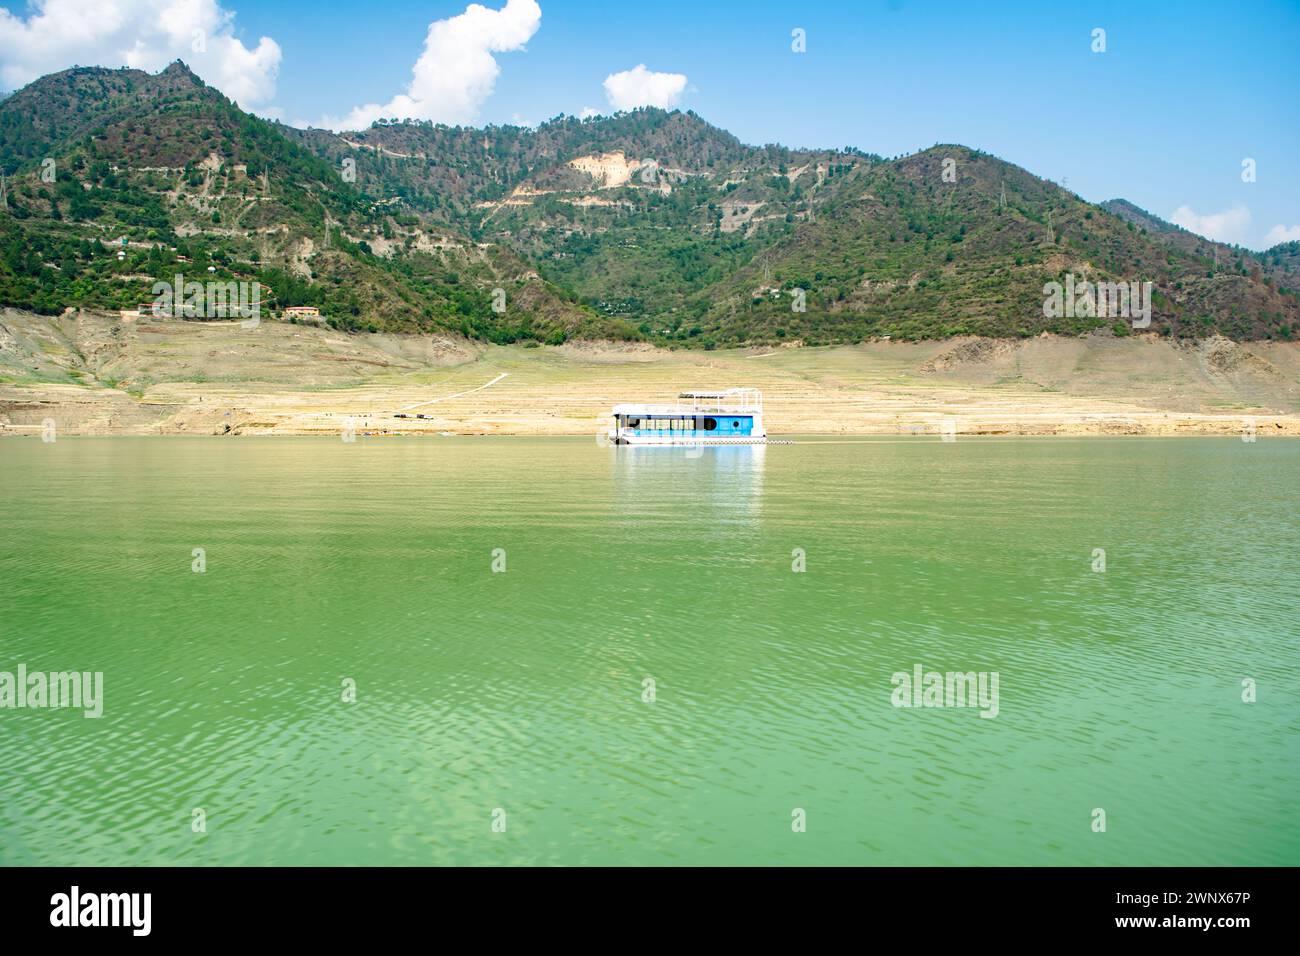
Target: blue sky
{"type": "Point", "coordinates": [1164, 117]}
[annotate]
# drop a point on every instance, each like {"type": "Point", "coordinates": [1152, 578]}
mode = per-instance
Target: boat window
{"type": "Point", "coordinates": [735, 424]}
{"type": "Point", "coordinates": [634, 423]}
{"type": "Point", "coordinates": [710, 424]}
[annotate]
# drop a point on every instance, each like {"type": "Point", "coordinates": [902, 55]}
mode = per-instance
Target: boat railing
{"type": "Point", "coordinates": [728, 401]}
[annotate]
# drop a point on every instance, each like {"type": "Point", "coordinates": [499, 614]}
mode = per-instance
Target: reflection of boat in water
{"type": "Point", "coordinates": [694, 482]}
{"type": "Point", "coordinates": [731, 417]}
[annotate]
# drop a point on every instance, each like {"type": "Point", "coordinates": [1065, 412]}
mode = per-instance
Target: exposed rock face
{"type": "Point", "coordinates": [967, 353]}
{"type": "Point", "coordinates": [611, 170]}
{"type": "Point", "coordinates": [1222, 356]}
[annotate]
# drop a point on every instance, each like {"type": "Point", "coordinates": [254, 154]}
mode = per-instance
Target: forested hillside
{"type": "Point", "coordinates": [648, 224]}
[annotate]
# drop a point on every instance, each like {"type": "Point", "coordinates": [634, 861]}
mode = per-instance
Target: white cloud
{"type": "Point", "coordinates": [641, 87]}
{"type": "Point", "coordinates": [1227, 226]}
{"type": "Point", "coordinates": [1280, 233]}
{"type": "Point", "coordinates": [588, 112]}
{"type": "Point", "coordinates": [456, 72]}
{"type": "Point", "coordinates": [144, 34]}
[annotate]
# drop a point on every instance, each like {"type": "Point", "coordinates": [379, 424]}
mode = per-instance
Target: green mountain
{"type": "Point", "coordinates": [901, 251]}
{"type": "Point", "coordinates": [1280, 263]}
{"type": "Point", "coordinates": [648, 224]}
{"type": "Point", "coordinates": [94, 156]}
{"type": "Point", "coordinates": [635, 213]}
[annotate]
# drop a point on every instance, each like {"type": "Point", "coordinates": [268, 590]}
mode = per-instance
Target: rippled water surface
{"type": "Point", "coordinates": [523, 691]}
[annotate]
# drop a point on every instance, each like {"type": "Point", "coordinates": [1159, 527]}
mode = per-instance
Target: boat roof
{"type": "Point", "coordinates": [683, 410]}
{"type": "Point", "coordinates": [727, 401]}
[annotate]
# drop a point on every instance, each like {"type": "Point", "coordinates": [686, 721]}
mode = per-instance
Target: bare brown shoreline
{"type": "Point", "coordinates": [94, 374]}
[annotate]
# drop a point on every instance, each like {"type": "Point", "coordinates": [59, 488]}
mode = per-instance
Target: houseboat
{"type": "Point", "coordinates": [731, 417]}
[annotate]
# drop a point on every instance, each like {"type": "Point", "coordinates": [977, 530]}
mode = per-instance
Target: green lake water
{"type": "Point", "coordinates": [522, 691]}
